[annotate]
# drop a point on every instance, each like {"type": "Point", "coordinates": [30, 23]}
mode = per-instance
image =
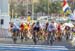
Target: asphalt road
{"type": "Point", "coordinates": [6, 44]}
{"type": "Point", "coordinates": [21, 47]}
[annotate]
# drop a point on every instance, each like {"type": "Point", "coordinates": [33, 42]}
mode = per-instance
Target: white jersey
{"type": "Point", "coordinates": [15, 26]}
{"type": "Point", "coordinates": [42, 26]}
{"type": "Point", "coordinates": [51, 27]}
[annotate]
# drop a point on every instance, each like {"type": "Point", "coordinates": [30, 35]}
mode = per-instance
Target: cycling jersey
{"type": "Point", "coordinates": [25, 27]}
{"type": "Point", "coordinates": [36, 27]}
{"type": "Point", "coordinates": [73, 29]}
{"type": "Point", "coordinates": [22, 26]}
{"type": "Point", "coordinates": [51, 27]}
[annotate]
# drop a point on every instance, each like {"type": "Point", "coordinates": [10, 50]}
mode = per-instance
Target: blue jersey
{"type": "Point", "coordinates": [73, 30]}
{"type": "Point", "coordinates": [50, 27]}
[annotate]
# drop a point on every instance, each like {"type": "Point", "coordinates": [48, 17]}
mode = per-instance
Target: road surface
{"type": "Point", "coordinates": [6, 44]}
{"type": "Point", "coordinates": [22, 47]}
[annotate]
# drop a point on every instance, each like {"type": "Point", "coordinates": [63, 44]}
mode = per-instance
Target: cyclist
{"type": "Point", "coordinates": [51, 34]}
{"type": "Point", "coordinates": [67, 32]}
{"type": "Point", "coordinates": [15, 30]}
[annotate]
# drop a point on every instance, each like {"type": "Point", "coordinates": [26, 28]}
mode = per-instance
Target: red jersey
{"type": "Point", "coordinates": [22, 26]}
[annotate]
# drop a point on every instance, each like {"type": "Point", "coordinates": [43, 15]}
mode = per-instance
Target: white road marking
{"type": "Point", "coordinates": [13, 46]}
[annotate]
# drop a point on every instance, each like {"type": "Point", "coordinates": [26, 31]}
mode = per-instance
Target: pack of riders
{"type": "Point", "coordinates": [46, 29]}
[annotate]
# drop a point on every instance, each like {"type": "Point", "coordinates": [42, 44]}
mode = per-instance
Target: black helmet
{"type": "Point", "coordinates": [38, 22]}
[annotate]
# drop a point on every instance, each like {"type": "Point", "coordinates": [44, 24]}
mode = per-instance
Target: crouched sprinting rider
{"type": "Point", "coordinates": [15, 31]}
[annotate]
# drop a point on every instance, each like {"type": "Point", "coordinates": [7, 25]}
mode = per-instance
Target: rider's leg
{"type": "Point", "coordinates": [22, 36]}
{"type": "Point", "coordinates": [34, 38]}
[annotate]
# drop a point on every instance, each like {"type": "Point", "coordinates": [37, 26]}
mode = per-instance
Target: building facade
{"type": "Point", "coordinates": [4, 16]}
